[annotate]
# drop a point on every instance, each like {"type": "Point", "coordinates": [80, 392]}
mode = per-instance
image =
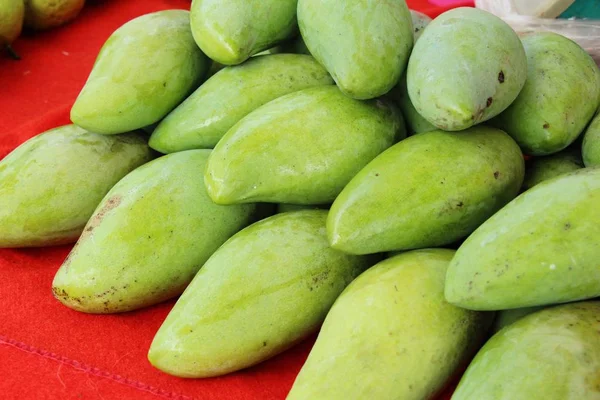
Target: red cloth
{"type": "Point", "coordinates": [46, 350]}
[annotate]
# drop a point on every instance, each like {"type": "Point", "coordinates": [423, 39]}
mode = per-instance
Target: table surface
{"type": "Point", "coordinates": [46, 350]}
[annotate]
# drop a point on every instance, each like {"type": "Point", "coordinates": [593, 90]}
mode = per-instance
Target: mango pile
{"type": "Point", "coordinates": [288, 167]}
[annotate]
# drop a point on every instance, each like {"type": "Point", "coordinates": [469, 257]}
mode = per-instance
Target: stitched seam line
{"type": "Point", "coordinates": [93, 370]}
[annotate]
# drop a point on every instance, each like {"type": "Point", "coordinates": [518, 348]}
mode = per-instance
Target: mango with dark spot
{"type": "Point", "coordinates": [51, 184]}
{"type": "Point", "coordinates": [231, 94]}
{"type": "Point", "coordinates": [542, 168]}
{"type": "Point", "coordinates": [147, 239]}
{"type": "Point", "coordinates": [427, 191]}
{"type": "Point", "coordinates": [553, 354]}
{"type": "Point", "coordinates": [302, 148]}
{"type": "Point", "coordinates": [266, 289]}
{"type": "Point", "coordinates": [391, 335]}
{"type": "Point", "coordinates": [590, 148]}
{"type": "Point", "coordinates": [363, 44]}
{"type": "Point", "coordinates": [230, 31]}
{"type": "Point", "coordinates": [143, 71]}
{"type": "Point", "coordinates": [467, 67]}
{"type": "Point", "coordinates": [559, 98]}
{"type": "Point", "coordinates": [540, 249]}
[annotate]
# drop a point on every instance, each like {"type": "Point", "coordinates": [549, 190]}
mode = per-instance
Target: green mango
{"type": "Point", "coordinates": [230, 31]}
{"type": "Point", "coordinates": [539, 249]}
{"type": "Point", "coordinates": [540, 169]}
{"type": "Point", "coordinates": [419, 22]}
{"type": "Point", "coordinates": [147, 238]}
{"type": "Point", "coordinates": [283, 207]}
{"type": "Point", "coordinates": [415, 123]}
{"type": "Point", "coordinates": [591, 144]}
{"type": "Point", "coordinates": [553, 354]}
{"type": "Point", "coordinates": [12, 13]}
{"type": "Point", "coordinates": [302, 148]}
{"type": "Point", "coordinates": [143, 71]}
{"type": "Point", "coordinates": [391, 335]}
{"type": "Point", "coordinates": [559, 98]}
{"type": "Point", "coordinates": [51, 184]}
{"type": "Point", "coordinates": [467, 67]}
{"type": "Point", "coordinates": [364, 44]}
{"type": "Point", "coordinates": [508, 317]}
{"type": "Point", "coordinates": [232, 93]}
{"type": "Point", "coordinates": [267, 288]}
{"type": "Point", "coordinates": [426, 191]}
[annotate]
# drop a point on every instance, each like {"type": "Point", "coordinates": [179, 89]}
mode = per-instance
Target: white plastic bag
{"type": "Point", "coordinates": [585, 32]}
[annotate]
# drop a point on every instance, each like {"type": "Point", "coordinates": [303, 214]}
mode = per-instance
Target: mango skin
{"type": "Point", "coordinates": [283, 207]}
{"type": "Point", "coordinates": [540, 169]}
{"type": "Point", "coordinates": [552, 354]}
{"type": "Point", "coordinates": [559, 98]}
{"type": "Point", "coordinates": [11, 21]}
{"type": "Point", "coordinates": [231, 94]}
{"type": "Point", "coordinates": [148, 238]}
{"type": "Point", "coordinates": [591, 144]}
{"type": "Point", "coordinates": [508, 317]}
{"type": "Point", "coordinates": [264, 290]}
{"type": "Point", "coordinates": [302, 148]}
{"type": "Point", "coordinates": [51, 184]}
{"type": "Point", "coordinates": [539, 249]}
{"type": "Point", "coordinates": [139, 76]}
{"type": "Point", "coordinates": [467, 67]}
{"type": "Point", "coordinates": [230, 31]}
{"type": "Point", "coordinates": [391, 335]}
{"type": "Point", "coordinates": [415, 123]}
{"type": "Point", "coordinates": [364, 44]}
{"type": "Point", "coordinates": [426, 191]}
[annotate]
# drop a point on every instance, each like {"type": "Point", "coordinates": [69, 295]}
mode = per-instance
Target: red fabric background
{"type": "Point", "coordinates": [46, 350]}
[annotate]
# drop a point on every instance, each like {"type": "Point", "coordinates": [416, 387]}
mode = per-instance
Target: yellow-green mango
{"type": "Point", "coordinates": [508, 317]}
{"type": "Point", "coordinates": [539, 249]}
{"type": "Point", "coordinates": [559, 98]}
{"type": "Point", "coordinates": [12, 13]}
{"type": "Point", "coordinates": [230, 31]}
{"type": "Point", "coordinates": [427, 191]}
{"type": "Point", "coordinates": [467, 67]}
{"type": "Point", "coordinates": [553, 354]}
{"type": "Point", "coordinates": [415, 123]}
{"type": "Point", "coordinates": [232, 93]}
{"type": "Point", "coordinates": [147, 238]}
{"type": "Point", "coordinates": [302, 148]}
{"type": "Point", "coordinates": [364, 44]}
{"type": "Point", "coordinates": [144, 70]}
{"type": "Point", "coordinates": [591, 144]}
{"type": "Point", "coordinates": [391, 335]}
{"type": "Point", "coordinates": [51, 184]}
{"type": "Point", "coordinates": [540, 169]}
{"type": "Point", "coordinates": [265, 289]}
{"type": "Point", "coordinates": [283, 207]}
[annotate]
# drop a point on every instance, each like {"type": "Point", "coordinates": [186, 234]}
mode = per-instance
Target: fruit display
{"type": "Point", "coordinates": [423, 195]}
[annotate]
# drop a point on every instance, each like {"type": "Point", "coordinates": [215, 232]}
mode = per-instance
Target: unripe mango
{"type": "Point", "coordinates": [264, 290]}
{"type": "Point", "coordinates": [302, 148]}
{"type": "Point", "coordinates": [540, 249]}
{"type": "Point", "coordinates": [148, 238]}
{"type": "Point", "coordinates": [51, 184]}
{"type": "Point", "coordinates": [540, 169]}
{"type": "Point", "coordinates": [427, 191]}
{"type": "Point", "coordinates": [144, 70]}
{"type": "Point", "coordinates": [391, 335]}
{"type": "Point", "coordinates": [591, 144]}
{"type": "Point", "coordinates": [467, 67]}
{"type": "Point", "coordinates": [230, 31]}
{"type": "Point", "coordinates": [364, 44]}
{"type": "Point", "coordinates": [559, 98]}
{"type": "Point", "coordinates": [232, 93]}
{"type": "Point", "coordinates": [553, 354]}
